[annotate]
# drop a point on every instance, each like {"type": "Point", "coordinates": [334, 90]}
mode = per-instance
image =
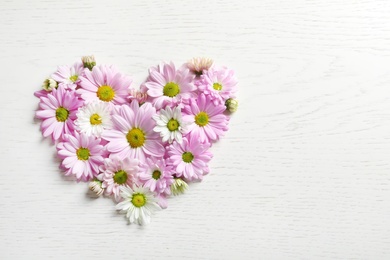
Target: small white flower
{"type": "Point", "coordinates": [170, 124]}
{"type": "Point", "coordinates": [96, 186]}
{"type": "Point", "coordinates": [138, 203]}
{"type": "Point", "coordinates": [49, 84]}
{"type": "Point", "coordinates": [94, 118]}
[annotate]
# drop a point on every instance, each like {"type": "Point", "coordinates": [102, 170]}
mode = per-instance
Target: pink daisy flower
{"type": "Point", "coordinates": [168, 86]}
{"type": "Point", "coordinates": [156, 175]}
{"type": "Point", "coordinates": [220, 84]}
{"type": "Point", "coordinates": [132, 135]}
{"type": "Point", "coordinates": [104, 83]}
{"type": "Point", "coordinates": [189, 159]}
{"type": "Point", "coordinates": [117, 173]}
{"type": "Point", "coordinates": [69, 76]}
{"type": "Point", "coordinates": [58, 112]}
{"type": "Point", "coordinates": [206, 120]}
{"type": "Point", "coordinates": [81, 156]}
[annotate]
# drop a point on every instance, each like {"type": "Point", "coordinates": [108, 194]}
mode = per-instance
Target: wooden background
{"type": "Point", "coordinates": [303, 173]}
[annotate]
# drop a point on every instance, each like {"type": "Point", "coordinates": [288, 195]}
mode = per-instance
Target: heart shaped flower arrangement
{"type": "Point", "coordinates": [137, 146]}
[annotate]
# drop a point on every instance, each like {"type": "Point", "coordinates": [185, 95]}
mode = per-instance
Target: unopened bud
{"type": "Point", "coordinates": [178, 187]}
{"type": "Point", "coordinates": [88, 61]}
{"type": "Point", "coordinates": [96, 187]}
{"type": "Point", "coordinates": [49, 84]}
{"type": "Point", "coordinates": [231, 105]}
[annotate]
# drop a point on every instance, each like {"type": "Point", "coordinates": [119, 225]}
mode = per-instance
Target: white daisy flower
{"type": "Point", "coordinates": [170, 124]}
{"type": "Point", "coordinates": [94, 118]}
{"type": "Point", "coordinates": [138, 203]}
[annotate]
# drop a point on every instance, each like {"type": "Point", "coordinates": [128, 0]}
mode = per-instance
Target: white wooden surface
{"type": "Point", "coordinates": [303, 173]}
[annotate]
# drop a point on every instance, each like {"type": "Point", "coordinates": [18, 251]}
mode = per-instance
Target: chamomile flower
{"type": "Point", "coordinates": [170, 124]}
{"type": "Point", "coordinates": [94, 118]}
{"type": "Point", "coordinates": [69, 76]}
{"type": "Point", "coordinates": [138, 203]}
{"type": "Point", "coordinates": [117, 173]}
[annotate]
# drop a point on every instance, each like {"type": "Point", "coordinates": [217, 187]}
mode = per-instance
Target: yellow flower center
{"type": "Point", "coordinates": [156, 174]}
{"type": "Point", "coordinates": [82, 154]}
{"type": "Point", "coordinates": [187, 157]}
{"type": "Point", "coordinates": [120, 177]}
{"type": "Point", "coordinates": [74, 78]}
{"type": "Point", "coordinates": [105, 93]}
{"type": "Point", "coordinates": [202, 119]}
{"type": "Point", "coordinates": [171, 89]}
{"type": "Point", "coordinates": [62, 114]}
{"type": "Point", "coordinates": [138, 200]}
{"type": "Point", "coordinates": [135, 137]}
{"type": "Point", "coordinates": [95, 119]}
{"type": "Point", "coordinates": [173, 125]}
{"type": "Point", "coordinates": [217, 86]}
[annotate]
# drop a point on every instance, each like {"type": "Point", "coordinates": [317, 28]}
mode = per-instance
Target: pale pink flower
{"type": "Point", "coordinates": [206, 120]}
{"type": "Point", "coordinates": [132, 135]}
{"type": "Point", "coordinates": [117, 173]}
{"type": "Point", "coordinates": [156, 175]}
{"type": "Point", "coordinates": [104, 83]}
{"type": "Point", "coordinates": [219, 83]}
{"type": "Point", "coordinates": [69, 76]}
{"type": "Point", "coordinates": [190, 158]}
{"type": "Point", "coordinates": [58, 112]}
{"type": "Point", "coordinates": [81, 156]}
{"type": "Point", "coordinates": [168, 86]}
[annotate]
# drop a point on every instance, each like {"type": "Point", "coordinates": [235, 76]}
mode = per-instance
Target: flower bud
{"type": "Point", "coordinates": [138, 95]}
{"type": "Point", "coordinates": [49, 84]}
{"type": "Point", "coordinates": [231, 105]}
{"type": "Point", "coordinates": [178, 187]}
{"type": "Point", "coordinates": [96, 187]}
{"type": "Point", "coordinates": [198, 65]}
{"type": "Point", "coordinates": [88, 61]}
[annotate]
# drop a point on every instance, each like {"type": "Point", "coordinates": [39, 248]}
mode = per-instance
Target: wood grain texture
{"type": "Point", "coordinates": [303, 172]}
